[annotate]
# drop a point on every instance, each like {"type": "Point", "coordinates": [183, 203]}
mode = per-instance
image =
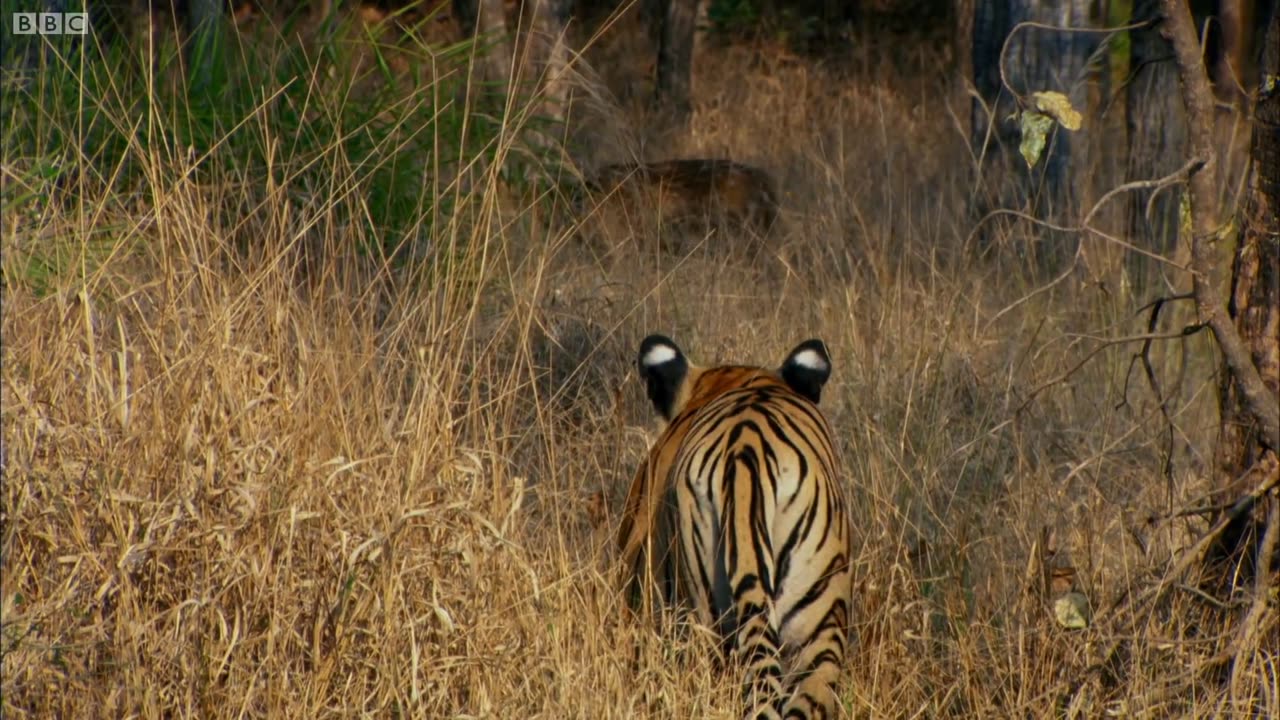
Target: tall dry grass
{"type": "Point", "coordinates": [250, 471]}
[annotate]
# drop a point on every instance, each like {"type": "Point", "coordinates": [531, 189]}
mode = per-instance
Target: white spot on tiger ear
{"type": "Point", "coordinates": [659, 354]}
{"type": "Point", "coordinates": [811, 359]}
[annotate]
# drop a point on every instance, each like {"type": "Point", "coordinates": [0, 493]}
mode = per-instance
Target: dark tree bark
{"type": "Point", "coordinates": [962, 39]}
{"type": "Point", "coordinates": [991, 23]}
{"type": "Point", "coordinates": [1207, 222]}
{"type": "Point", "coordinates": [676, 20]}
{"type": "Point", "coordinates": [551, 56]}
{"type": "Point", "coordinates": [465, 13]}
{"type": "Point", "coordinates": [487, 18]}
{"type": "Point", "coordinates": [1246, 457]}
{"type": "Point", "coordinates": [1034, 59]}
{"type": "Point", "coordinates": [1234, 16]}
{"type": "Point", "coordinates": [1044, 59]}
{"type": "Point", "coordinates": [671, 23]}
{"type": "Point", "coordinates": [1157, 133]}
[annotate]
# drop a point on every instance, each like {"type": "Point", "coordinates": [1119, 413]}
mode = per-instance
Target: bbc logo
{"type": "Point", "coordinates": [50, 23]}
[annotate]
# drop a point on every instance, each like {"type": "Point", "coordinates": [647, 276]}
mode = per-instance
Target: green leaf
{"type": "Point", "coordinates": [1035, 127]}
{"type": "Point", "coordinates": [1072, 611]}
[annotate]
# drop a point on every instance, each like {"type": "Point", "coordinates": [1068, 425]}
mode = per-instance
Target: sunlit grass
{"type": "Point", "coordinates": [326, 410]}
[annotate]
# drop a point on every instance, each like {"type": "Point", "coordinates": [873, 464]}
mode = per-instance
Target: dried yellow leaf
{"type": "Point", "coordinates": [1072, 611]}
{"type": "Point", "coordinates": [1057, 106]}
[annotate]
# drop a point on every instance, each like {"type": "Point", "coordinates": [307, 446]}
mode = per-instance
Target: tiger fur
{"type": "Point", "coordinates": [739, 515]}
{"type": "Point", "coordinates": [692, 191]}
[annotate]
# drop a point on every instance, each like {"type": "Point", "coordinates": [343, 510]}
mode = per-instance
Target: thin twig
{"type": "Point", "coordinates": [1188, 169]}
{"type": "Point", "coordinates": [1181, 174]}
{"type": "Point", "coordinates": [1104, 343]}
{"type": "Point", "coordinates": [1155, 593]}
{"type": "Point", "coordinates": [1203, 511]}
{"type": "Point", "coordinates": [1071, 268]}
{"type": "Point", "coordinates": [1247, 639]}
{"type": "Point", "coordinates": [1154, 383]}
{"type": "Point", "coordinates": [1203, 596]}
{"type": "Point", "coordinates": [1004, 49]}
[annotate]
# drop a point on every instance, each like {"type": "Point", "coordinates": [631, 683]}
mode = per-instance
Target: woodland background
{"type": "Point", "coordinates": [317, 393]}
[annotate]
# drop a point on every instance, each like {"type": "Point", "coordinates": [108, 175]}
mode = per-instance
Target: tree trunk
{"type": "Point", "coordinates": [487, 19]}
{"type": "Point", "coordinates": [1157, 134]}
{"type": "Point", "coordinates": [1044, 59]}
{"type": "Point", "coordinates": [1034, 59]}
{"type": "Point", "coordinates": [1245, 461]}
{"type": "Point", "coordinates": [1229, 68]}
{"type": "Point", "coordinates": [551, 55]}
{"type": "Point", "coordinates": [962, 39]}
{"type": "Point", "coordinates": [677, 22]}
{"type": "Point", "coordinates": [991, 24]}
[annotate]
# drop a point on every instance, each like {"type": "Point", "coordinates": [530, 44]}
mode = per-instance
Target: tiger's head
{"type": "Point", "coordinates": [675, 385]}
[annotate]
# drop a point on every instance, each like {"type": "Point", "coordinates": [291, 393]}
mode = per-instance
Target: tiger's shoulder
{"type": "Point", "coordinates": [694, 402]}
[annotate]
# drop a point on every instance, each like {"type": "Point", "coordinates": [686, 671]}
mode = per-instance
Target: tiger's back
{"type": "Point", "coordinates": [738, 514]}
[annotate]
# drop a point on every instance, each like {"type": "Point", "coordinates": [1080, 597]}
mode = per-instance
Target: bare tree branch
{"type": "Point", "coordinates": [1179, 175]}
{"type": "Point", "coordinates": [1153, 593]}
{"type": "Point", "coordinates": [1103, 344]}
{"type": "Point", "coordinates": [1144, 355]}
{"type": "Point", "coordinates": [1004, 49]}
{"type": "Point", "coordinates": [1206, 224]}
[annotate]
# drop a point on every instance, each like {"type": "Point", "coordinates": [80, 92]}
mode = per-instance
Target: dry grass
{"type": "Point", "coordinates": [233, 488]}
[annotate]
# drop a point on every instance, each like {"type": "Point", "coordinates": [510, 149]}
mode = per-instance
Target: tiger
{"type": "Point", "coordinates": [738, 514]}
{"type": "Point", "coordinates": [696, 194]}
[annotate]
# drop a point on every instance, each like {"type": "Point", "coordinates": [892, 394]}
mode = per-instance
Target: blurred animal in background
{"type": "Point", "coordinates": [722, 190]}
{"type": "Point", "coordinates": [685, 197]}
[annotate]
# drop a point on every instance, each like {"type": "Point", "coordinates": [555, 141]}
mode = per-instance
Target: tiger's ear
{"type": "Point", "coordinates": [807, 368]}
{"type": "Point", "coordinates": [664, 369]}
